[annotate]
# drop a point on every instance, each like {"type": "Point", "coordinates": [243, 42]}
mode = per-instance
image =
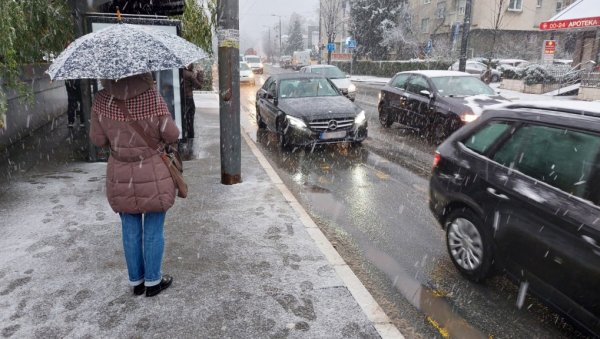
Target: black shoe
{"type": "Point", "coordinates": [139, 289]}
{"type": "Point", "coordinates": [164, 283]}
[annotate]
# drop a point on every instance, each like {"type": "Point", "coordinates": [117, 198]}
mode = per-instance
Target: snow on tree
{"type": "Point", "coordinates": [372, 21]}
{"type": "Point", "coordinates": [399, 35]}
{"type": "Point", "coordinates": [294, 41]}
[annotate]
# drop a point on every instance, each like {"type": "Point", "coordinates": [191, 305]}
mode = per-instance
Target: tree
{"type": "Point", "coordinates": [29, 30]}
{"type": "Point", "coordinates": [294, 41]}
{"type": "Point", "coordinates": [399, 34]}
{"type": "Point", "coordinates": [198, 23]}
{"type": "Point", "coordinates": [368, 36]}
{"type": "Point", "coordinates": [330, 10]}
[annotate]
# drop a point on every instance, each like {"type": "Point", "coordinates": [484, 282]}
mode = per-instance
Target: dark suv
{"type": "Point", "coordinates": [519, 190]}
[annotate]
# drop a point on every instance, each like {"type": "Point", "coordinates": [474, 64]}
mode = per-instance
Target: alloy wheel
{"type": "Point", "coordinates": [465, 244]}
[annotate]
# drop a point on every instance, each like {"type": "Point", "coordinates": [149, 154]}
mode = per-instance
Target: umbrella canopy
{"type": "Point", "coordinates": [123, 50]}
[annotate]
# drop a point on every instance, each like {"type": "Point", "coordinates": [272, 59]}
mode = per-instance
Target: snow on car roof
{"type": "Point", "coordinates": [439, 73]}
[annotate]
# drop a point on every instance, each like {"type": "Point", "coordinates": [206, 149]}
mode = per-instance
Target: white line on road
{"type": "Point", "coordinates": [365, 300]}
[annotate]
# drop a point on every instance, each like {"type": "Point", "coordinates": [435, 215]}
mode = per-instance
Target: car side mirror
{"type": "Point", "coordinates": [269, 96]}
{"type": "Point", "coordinates": [426, 93]}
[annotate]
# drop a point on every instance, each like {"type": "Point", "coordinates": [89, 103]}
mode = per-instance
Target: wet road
{"type": "Point", "coordinates": [371, 201]}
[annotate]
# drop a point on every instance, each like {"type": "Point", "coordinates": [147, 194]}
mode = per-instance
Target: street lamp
{"type": "Point", "coordinates": [279, 35]}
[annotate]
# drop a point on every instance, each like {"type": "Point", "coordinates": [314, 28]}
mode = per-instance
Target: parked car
{"type": "Point", "coordinates": [286, 61]}
{"type": "Point", "coordinates": [305, 109]}
{"type": "Point", "coordinates": [246, 74]}
{"type": "Point", "coordinates": [300, 59]}
{"type": "Point", "coordinates": [339, 78]}
{"type": "Point", "coordinates": [435, 102]}
{"type": "Point", "coordinates": [518, 190]}
{"type": "Point", "coordinates": [255, 63]}
{"type": "Point", "coordinates": [478, 69]}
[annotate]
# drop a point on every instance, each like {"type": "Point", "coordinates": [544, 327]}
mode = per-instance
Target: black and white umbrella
{"type": "Point", "coordinates": [122, 50]}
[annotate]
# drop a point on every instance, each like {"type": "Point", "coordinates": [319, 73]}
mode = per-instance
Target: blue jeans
{"type": "Point", "coordinates": [143, 243]}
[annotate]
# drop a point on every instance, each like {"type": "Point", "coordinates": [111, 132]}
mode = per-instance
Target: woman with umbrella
{"type": "Point", "coordinates": [130, 116]}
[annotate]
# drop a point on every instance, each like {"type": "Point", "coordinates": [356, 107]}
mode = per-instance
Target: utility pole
{"type": "Point", "coordinates": [228, 33]}
{"type": "Point", "coordinates": [462, 63]}
{"type": "Point", "coordinates": [319, 44]}
{"type": "Point", "coordinates": [279, 35]}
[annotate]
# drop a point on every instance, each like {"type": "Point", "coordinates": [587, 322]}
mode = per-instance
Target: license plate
{"type": "Point", "coordinates": [333, 135]}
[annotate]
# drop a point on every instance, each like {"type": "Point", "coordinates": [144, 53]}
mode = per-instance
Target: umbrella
{"type": "Point", "coordinates": [122, 50]}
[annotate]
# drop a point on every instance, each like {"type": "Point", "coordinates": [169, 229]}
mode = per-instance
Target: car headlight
{"type": "Point", "coordinates": [296, 122]}
{"type": "Point", "coordinates": [251, 75]}
{"type": "Point", "coordinates": [360, 118]}
{"type": "Point", "coordinates": [351, 88]}
{"type": "Point", "coordinates": [468, 117]}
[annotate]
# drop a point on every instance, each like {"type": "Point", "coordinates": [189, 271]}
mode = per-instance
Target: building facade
{"type": "Point", "coordinates": [499, 28]}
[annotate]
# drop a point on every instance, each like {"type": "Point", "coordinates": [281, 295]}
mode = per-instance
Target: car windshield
{"type": "Point", "coordinates": [302, 88]}
{"type": "Point", "coordinates": [460, 86]}
{"type": "Point", "coordinates": [330, 72]}
{"type": "Point", "coordinates": [253, 59]}
{"type": "Point", "coordinates": [244, 66]}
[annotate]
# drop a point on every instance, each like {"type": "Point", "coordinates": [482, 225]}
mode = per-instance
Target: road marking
{"type": "Point", "coordinates": [443, 331]}
{"type": "Point", "coordinates": [365, 300]}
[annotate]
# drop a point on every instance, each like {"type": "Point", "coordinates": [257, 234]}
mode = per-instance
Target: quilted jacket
{"type": "Point", "coordinates": [137, 180]}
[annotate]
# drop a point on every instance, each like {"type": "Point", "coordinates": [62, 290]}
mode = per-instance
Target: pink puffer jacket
{"type": "Point", "coordinates": [139, 181]}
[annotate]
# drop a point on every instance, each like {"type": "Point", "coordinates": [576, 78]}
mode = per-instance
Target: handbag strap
{"type": "Point", "coordinates": [134, 124]}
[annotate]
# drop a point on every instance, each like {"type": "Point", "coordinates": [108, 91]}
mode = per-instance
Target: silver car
{"type": "Point", "coordinates": [477, 68]}
{"type": "Point", "coordinates": [339, 78]}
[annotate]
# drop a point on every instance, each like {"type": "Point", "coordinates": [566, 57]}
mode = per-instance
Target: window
{"type": "Point", "coordinates": [515, 5]}
{"type": "Point", "coordinates": [461, 7]}
{"type": "Point", "coordinates": [425, 25]}
{"type": "Point", "coordinates": [426, 2]}
{"type": "Point", "coordinates": [559, 157]}
{"type": "Point", "coordinates": [272, 88]}
{"type": "Point", "coordinates": [440, 11]}
{"type": "Point", "coordinates": [417, 84]}
{"type": "Point", "coordinates": [400, 81]}
{"type": "Point", "coordinates": [485, 137]}
{"type": "Point", "coordinates": [539, 3]}
{"type": "Point", "coordinates": [559, 5]}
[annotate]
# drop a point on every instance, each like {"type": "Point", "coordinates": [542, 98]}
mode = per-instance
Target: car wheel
{"type": "Point", "coordinates": [442, 127]}
{"type": "Point", "coordinates": [259, 121]}
{"type": "Point", "coordinates": [284, 143]}
{"type": "Point", "coordinates": [495, 78]}
{"type": "Point", "coordinates": [469, 244]}
{"type": "Point", "coordinates": [385, 118]}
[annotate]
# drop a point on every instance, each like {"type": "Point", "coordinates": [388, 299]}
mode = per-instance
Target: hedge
{"type": "Point", "coordinates": [389, 68]}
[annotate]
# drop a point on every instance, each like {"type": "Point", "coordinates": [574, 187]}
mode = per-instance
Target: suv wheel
{"type": "Point", "coordinates": [385, 118]}
{"type": "Point", "coordinates": [469, 244]}
{"type": "Point", "coordinates": [442, 127]}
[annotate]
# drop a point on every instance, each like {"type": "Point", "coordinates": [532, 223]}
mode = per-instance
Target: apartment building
{"type": "Point", "coordinates": [499, 28]}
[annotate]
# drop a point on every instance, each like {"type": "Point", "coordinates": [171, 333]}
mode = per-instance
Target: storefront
{"type": "Point", "coordinates": [583, 18]}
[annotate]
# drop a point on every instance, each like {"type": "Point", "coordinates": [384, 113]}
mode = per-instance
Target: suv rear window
{"type": "Point", "coordinates": [481, 140]}
{"type": "Point", "coordinates": [563, 158]}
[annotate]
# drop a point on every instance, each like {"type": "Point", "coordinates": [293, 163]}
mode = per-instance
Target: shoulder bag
{"type": "Point", "coordinates": [168, 153]}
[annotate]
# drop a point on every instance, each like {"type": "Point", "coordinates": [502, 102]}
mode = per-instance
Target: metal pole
{"type": "Point", "coordinates": [319, 43]}
{"type": "Point", "coordinates": [229, 90]}
{"type": "Point", "coordinates": [465, 37]}
{"type": "Point", "coordinates": [280, 39]}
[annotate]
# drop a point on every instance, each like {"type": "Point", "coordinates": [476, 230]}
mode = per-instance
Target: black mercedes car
{"type": "Point", "coordinates": [435, 102]}
{"type": "Point", "coordinates": [518, 191]}
{"type": "Point", "coordinates": [304, 109]}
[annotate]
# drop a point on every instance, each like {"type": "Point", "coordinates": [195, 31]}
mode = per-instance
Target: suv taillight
{"type": "Point", "coordinates": [436, 159]}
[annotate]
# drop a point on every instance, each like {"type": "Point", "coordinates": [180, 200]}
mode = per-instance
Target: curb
{"type": "Point", "coordinates": [365, 300]}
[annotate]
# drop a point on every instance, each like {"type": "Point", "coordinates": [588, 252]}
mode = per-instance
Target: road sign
{"type": "Point", "coordinates": [351, 43]}
{"type": "Point", "coordinates": [331, 47]}
{"type": "Point", "coordinates": [549, 51]}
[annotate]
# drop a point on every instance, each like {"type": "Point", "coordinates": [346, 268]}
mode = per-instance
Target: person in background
{"type": "Point", "coordinates": [190, 82]}
{"type": "Point", "coordinates": [74, 106]}
{"type": "Point", "coordinates": [139, 185]}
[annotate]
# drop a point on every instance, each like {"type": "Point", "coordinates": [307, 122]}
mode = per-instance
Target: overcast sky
{"type": "Point", "coordinates": [256, 14]}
